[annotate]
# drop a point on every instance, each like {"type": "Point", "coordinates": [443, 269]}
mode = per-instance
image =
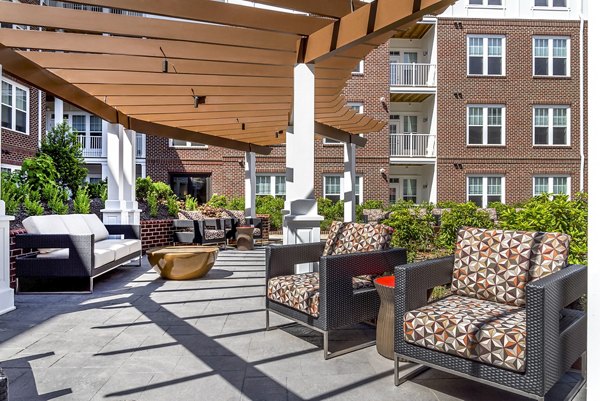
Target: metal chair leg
{"type": "Point", "coordinates": [267, 320]}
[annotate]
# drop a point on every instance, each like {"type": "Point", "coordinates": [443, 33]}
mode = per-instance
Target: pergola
{"type": "Point", "coordinates": [222, 74]}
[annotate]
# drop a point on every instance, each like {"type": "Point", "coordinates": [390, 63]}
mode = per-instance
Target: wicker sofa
{"type": "Point", "coordinates": [505, 323]}
{"type": "Point", "coordinates": [340, 292]}
{"type": "Point", "coordinates": [72, 250]}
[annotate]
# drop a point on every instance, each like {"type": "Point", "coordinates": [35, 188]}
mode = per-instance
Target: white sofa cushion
{"type": "Point", "coordinates": [97, 227]}
{"type": "Point", "coordinates": [101, 256]}
{"type": "Point", "coordinates": [118, 246]}
{"type": "Point", "coordinates": [51, 224]}
{"type": "Point", "coordinates": [76, 224]}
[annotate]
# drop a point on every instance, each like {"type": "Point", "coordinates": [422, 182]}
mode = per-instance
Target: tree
{"type": "Point", "coordinates": [62, 146]}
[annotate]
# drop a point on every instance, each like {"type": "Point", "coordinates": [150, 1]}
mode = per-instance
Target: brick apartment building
{"type": "Point", "coordinates": [483, 104]}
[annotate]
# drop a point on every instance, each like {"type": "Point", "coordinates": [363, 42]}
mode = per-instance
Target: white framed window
{"type": "Point", "coordinates": [14, 101]}
{"type": "Point", "coordinates": [273, 185]}
{"type": "Point", "coordinates": [359, 69]}
{"type": "Point", "coordinates": [485, 3]}
{"type": "Point", "coordinates": [486, 55]}
{"type": "Point", "coordinates": [551, 125]}
{"type": "Point", "coordinates": [177, 143]}
{"type": "Point", "coordinates": [333, 188]}
{"type": "Point", "coordinates": [485, 125]}
{"type": "Point", "coordinates": [8, 168]}
{"type": "Point", "coordinates": [551, 56]}
{"type": "Point", "coordinates": [359, 107]}
{"type": "Point", "coordinates": [549, 3]}
{"type": "Point", "coordinates": [548, 184]}
{"type": "Point", "coordinates": [483, 190]}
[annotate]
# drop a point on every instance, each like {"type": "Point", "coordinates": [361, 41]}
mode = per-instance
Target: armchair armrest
{"type": "Point", "coordinates": [281, 259]}
{"type": "Point", "coordinates": [183, 223]}
{"type": "Point", "coordinates": [213, 224]}
{"type": "Point", "coordinates": [128, 231]}
{"type": "Point", "coordinates": [254, 221]}
{"type": "Point", "coordinates": [344, 267]}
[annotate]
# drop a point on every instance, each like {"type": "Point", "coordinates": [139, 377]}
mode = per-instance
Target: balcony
{"type": "Point", "coordinates": [412, 145]}
{"type": "Point", "coordinates": [91, 146]}
{"type": "Point", "coordinates": [413, 76]}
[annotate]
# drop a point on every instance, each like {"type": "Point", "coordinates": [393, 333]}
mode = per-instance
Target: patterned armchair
{"type": "Point", "coordinates": [505, 322]}
{"type": "Point", "coordinates": [340, 292]}
{"type": "Point", "coordinates": [195, 228]}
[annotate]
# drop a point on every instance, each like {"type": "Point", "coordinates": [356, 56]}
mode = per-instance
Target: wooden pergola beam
{"type": "Point", "coordinates": [329, 8]}
{"type": "Point", "coordinates": [333, 133]}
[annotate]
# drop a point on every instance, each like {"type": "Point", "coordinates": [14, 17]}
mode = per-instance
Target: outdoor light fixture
{"type": "Point", "coordinates": [165, 63]}
{"type": "Point", "coordinates": [277, 133]}
{"type": "Point", "coordinates": [243, 126]}
{"type": "Point", "coordinates": [198, 100]}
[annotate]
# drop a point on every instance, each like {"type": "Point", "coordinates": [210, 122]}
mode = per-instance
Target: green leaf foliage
{"type": "Point", "coordinates": [236, 203]}
{"type": "Point", "coordinates": [368, 204]}
{"type": "Point", "coordinates": [173, 206]}
{"type": "Point", "coordinates": [413, 227]}
{"type": "Point", "coordinates": [142, 187]}
{"type": "Point", "coordinates": [97, 189]}
{"type": "Point", "coordinates": [331, 211]}
{"type": "Point", "coordinates": [33, 207]}
{"type": "Point", "coordinates": [37, 171]}
{"type": "Point", "coordinates": [163, 191]}
{"type": "Point", "coordinates": [63, 148]}
{"type": "Point", "coordinates": [152, 204]}
{"type": "Point", "coordinates": [218, 201]}
{"type": "Point", "coordinates": [272, 206]}
{"type": "Point", "coordinates": [190, 203]}
{"type": "Point", "coordinates": [12, 192]}
{"type": "Point", "coordinates": [460, 215]}
{"type": "Point", "coordinates": [82, 202]}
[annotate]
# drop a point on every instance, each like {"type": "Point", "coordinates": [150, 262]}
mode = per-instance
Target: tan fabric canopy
{"type": "Point", "coordinates": [145, 72]}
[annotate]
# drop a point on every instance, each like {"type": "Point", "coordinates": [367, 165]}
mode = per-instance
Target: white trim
{"type": "Point", "coordinates": [361, 68]}
{"type": "Point", "coordinates": [485, 55]}
{"type": "Point", "coordinates": [551, 178]}
{"type": "Point", "coordinates": [272, 185]}
{"type": "Point", "coordinates": [550, 6]}
{"type": "Point", "coordinates": [551, 56]}
{"type": "Point", "coordinates": [485, 124]}
{"type": "Point", "coordinates": [13, 107]}
{"type": "Point", "coordinates": [341, 194]}
{"type": "Point", "coordinates": [484, 195]}
{"type": "Point", "coordinates": [551, 108]}
{"type": "Point", "coordinates": [485, 5]}
{"type": "Point", "coordinates": [187, 146]}
{"type": "Point", "coordinates": [11, 167]}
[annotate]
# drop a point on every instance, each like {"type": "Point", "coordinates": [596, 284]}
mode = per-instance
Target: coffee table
{"type": "Point", "coordinates": [182, 262]}
{"type": "Point", "coordinates": [244, 238]}
{"type": "Point", "coordinates": [384, 335]}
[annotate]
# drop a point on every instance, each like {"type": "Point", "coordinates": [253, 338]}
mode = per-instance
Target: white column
{"type": "Point", "coordinates": [349, 180]}
{"type": "Point", "coordinates": [59, 111]}
{"type": "Point", "coordinates": [250, 185]}
{"type": "Point", "coordinates": [7, 295]}
{"type": "Point", "coordinates": [301, 220]}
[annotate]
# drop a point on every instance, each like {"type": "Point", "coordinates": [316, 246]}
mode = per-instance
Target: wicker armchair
{"type": "Point", "coordinates": [195, 228]}
{"type": "Point", "coordinates": [505, 323]}
{"type": "Point", "coordinates": [340, 291]}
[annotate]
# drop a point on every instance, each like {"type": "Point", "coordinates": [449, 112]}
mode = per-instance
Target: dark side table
{"type": "Point", "coordinates": [385, 320]}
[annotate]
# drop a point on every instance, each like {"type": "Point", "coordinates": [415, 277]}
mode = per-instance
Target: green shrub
{"type": "Point", "coordinates": [97, 189]}
{"type": "Point", "coordinates": [33, 195]}
{"type": "Point", "coordinates": [218, 201]}
{"type": "Point", "coordinates": [461, 215]}
{"type": "Point", "coordinates": [163, 191]}
{"type": "Point", "coordinates": [190, 203]}
{"type": "Point", "coordinates": [369, 204]}
{"type": "Point", "coordinates": [272, 206]}
{"type": "Point", "coordinates": [152, 204]}
{"type": "Point", "coordinates": [413, 227]}
{"type": "Point", "coordinates": [173, 206]}
{"type": "Point", "coordinates": [82, 202]}
{"type": "Point", "coordinates": [12, 193]}
{"type": "Point", "coordinates": [331, 211]}
{"type": "Point", "coordinates": [37, 171]}
{"type": "Point", "coordinates": [63, 148]}
{"type": "Point", "coordinates": [142, 187]}
{"type": "Point", "coordinates": [553, 214]}
{"type": "Point", "coordinates": [33, 207]}
{"type": "Point", "coordinates": [51, 191]}
{"type": "Point", "coordinates": [237, 203]}
{"type": "Point", "coordinates": [58, 204]}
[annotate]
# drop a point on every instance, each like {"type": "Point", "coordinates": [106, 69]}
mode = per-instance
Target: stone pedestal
{"type": "Point", "coordinates": [301, 225]}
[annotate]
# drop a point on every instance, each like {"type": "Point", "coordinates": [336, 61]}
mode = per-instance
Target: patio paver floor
{"type": "Point", "coordinates": [138, 337]}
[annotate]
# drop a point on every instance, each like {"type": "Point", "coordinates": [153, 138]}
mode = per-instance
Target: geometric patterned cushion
{"type": "Point", "coordinates": [301, 291]}
{"type": "Point", "coordinates": [346, 238]}
{"type": "Point", "coordinates": [492, 265]}
{"type": "Point", "coordinates": [214, 234]}
{"type": "Point", "coordinates": [549, 254]}
{"type": "Point", "coordinates": [485, 331]}
{"type": "Point", "coordinates": [190, 215]}
{"type": "Point", "coordinates": [375, 215]}
{"type": "Point", "coordinates": [235, 214]}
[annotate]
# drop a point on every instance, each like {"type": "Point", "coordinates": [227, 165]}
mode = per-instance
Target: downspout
{"type": "Point", "coordinates": [39, 119]}
{"type": "Point", "coordinates": [581, 100]}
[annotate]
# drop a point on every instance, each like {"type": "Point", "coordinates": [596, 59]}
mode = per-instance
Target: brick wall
{"type": "Point", "coordinates": [14, 252]}
{"type": "Point", "coordinates": [156, 233]}
{"type": "Point", "coordinates": [518, 160]}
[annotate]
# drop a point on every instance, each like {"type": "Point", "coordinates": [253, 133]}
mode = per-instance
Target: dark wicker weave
{"type": "Point", "coordinates": [556, 337]}
{"type": "Point", "coordinates": [339, 304]}
{"type": "Point", "coordinates": [231, 225]}
{"type": "Point", "coordinates": [79, 264]}
{"type": "Point", "coordinates": [192, 231]}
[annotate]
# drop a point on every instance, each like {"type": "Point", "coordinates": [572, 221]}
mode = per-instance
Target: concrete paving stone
{"type": "Point", "coordinates": [211, 386]}
{"type": "Point", "coordinates": [149, 364]}
{"type": "Point", "coordinates": [119, 387]}
{"type": "Point", "coordinates": [264, 389]}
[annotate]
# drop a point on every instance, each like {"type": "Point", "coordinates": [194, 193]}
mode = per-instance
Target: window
{"type": "Point", "coordinates": [273, 185]}
{"type": "Point", "coordinates": [15, 107]}
{"type": "Point", "coordinates": [551, 185]}
{"type": "Point", "coordinates": [196, 185]}
{"type": "Point", "coordinates": [333, 188]}
{"type": "Point", "coordinates": [551, 125]}
{"type": "Point", "coordinates": [360, 68]}
{"type": "Point", "coordinates": [177, 143]}
{"type": "Point", "coordinates": [491, 3]}
{"type": "Point", "coordinates": [484, 190]}
{"type": "Point", "coordinates": [550, 3]}
{"type": "Point", "coordinates": [359, 107]}
{"type": "Point", "coordinates": [486, 55]}
{"type": "Point", "coordinates": [9, 168]}
{"type": "Point", "coordinates": [551, 56]}
{"type": "Point", "coordinates": [485, 125]}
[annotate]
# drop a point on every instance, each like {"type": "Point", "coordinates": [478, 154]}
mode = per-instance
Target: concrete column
{"type": "Point", "coordinates": [301, 220]}
{"type": "Point", "coordinates": [250, 185]}
{"type": "Point", "coordinates": [349, 180]}
{"type": "Point", "coordinates": [59, 111]}
{"type": "Point", "coordinates": [7, 295]}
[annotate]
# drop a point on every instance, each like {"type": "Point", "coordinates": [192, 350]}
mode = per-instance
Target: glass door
{"type": "Point", "coordinates": [409, 60]}
{"type": "Point", "coordinates": [409, 189]}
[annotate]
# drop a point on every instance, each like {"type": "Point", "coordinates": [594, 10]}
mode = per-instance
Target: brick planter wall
{"type": "Point", "coordinates": [14, 252]}
{"type": "Point", "coordinates": [266, 225]}
{"type": "Point", "coordinates": [156, 233]}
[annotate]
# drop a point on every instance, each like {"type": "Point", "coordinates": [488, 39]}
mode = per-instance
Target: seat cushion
{"type": "Point", "coordinates": [101, 256]}
{"type": "Point", "coordinates": [50, 224]}
{"type": "Point", "coordinates": [301, 291]}
{"type": "Point", "coordinates": [96, 226]}
{"type": "Point", "coordinates": [118, 246]}
{"type": "Point", "coordinates": [345, 238]}
{"type": "Point", "coordinates": [190, 215]}
{"type": "Point", "coordinates": [492, 265]}
{"type": "Point", "coordinates": [549, 254]}
{"type": "Point", "coordinates": [485, 331]}
{"type": "Point", "coordinates": [214, 234]}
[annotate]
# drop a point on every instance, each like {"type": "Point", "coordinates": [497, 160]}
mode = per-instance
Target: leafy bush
{"type": "Point", "coordinates": [272, 206]}
{"type": "Point", "coordinates": [218, 201]}
{"type": "Point", "coordinates": [33, 196]}
{"type": "Point", "coordinates": [51, 191]}
{"type": "Point", "coordinates": [82, 202]}
{"type": "Point", "coordinates": [413, 227]}
{"type": "Point", "coordinates": [460, 215]}
{"type": "Point", "coordinates": [331, 211]}
{"type": "Point", "coordinates": [553, 214]}
{"type": "Point", "coordinates": [369, 204]}
{"type": "Point", "coordinates": [172, 206]}
{"type": "Point", "coordinates": [98, 189]}
{"type": "Point", "coordinates": [33, 207]}
{"type": "Point", "coordinates": [12, 191]}
{"type": "Point", "coordinates": [58, 204]}
{"type": "Point", "coordinates": [152, 203]}
{"type": "Point", "coordinates": [63, 148]}
{"type": "Point", "coordinates": [37, 171]}
{"type": "Point", "coordinates": [190, 203]}
{"type": "Point", "coordinates": [236, 203]}
{"type": "Point", "coordinates": [163, 191]}
{"type": "Point", "coordinates": [142, 187]}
